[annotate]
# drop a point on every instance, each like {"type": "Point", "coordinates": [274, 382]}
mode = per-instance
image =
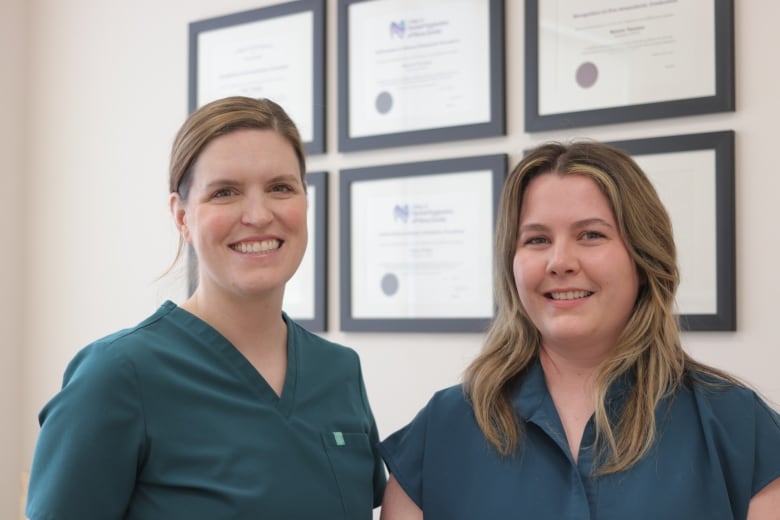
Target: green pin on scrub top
{"type": "Point", "coordinates": [339, 437]}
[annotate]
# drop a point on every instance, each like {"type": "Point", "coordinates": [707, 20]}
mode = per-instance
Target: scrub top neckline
{"type": "Point", "coordinates": [209, 337]}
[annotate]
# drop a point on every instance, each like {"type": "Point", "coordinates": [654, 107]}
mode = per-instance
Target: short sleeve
{"type": "Point", "coordinates": [90, 444]}
{"type": "Point", "coordinates": [767, 453]}
{"type": "Point", "coordinates": [404, 452]}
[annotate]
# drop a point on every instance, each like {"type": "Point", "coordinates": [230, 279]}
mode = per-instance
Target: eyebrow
{"type": "Point", "coordinates": [228, 182]}
{"type": "Point", "coordinates": [286, 177]}
{"type": "Point", "coordinates": [221, 182]}
{"type": "Point", "coordinates": [595, 221]}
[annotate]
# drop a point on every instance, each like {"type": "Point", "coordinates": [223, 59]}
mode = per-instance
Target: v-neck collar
{"type": "Point", "coordinates": [209, 337]}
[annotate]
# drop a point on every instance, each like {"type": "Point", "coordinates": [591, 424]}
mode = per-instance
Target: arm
{"type": "Point", "coordinates": [765, 502]}
{"type": "Point", "coordinates": [398, 506]}
{"type": "Point", "coordinates": [89, 444]}
{"type": "Point", "coordinates": [765, 505]}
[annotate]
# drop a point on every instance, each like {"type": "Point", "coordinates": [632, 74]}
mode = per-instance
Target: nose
{"type": "Point", "coordinates": [563, 259]}
{"type": "Point", "coordinates": [256, 211]}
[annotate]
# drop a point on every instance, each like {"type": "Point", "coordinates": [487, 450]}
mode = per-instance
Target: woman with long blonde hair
{"type": "Point", "coordinates": [583, 403]}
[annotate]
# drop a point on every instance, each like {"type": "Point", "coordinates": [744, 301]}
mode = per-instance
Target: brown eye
{"type": "Point", "coordinates": [535, 241]}
{"type": "Point", "coordinates": [224, 192]}
{"type": "Point", "coordinates": [592, 235]}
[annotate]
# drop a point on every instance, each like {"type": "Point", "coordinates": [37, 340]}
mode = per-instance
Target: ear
{"type": "Point", "coordinates": [179, 213]}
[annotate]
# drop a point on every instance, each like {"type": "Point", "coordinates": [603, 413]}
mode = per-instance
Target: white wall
{"type": "Point", "coordinates": [106, 84]}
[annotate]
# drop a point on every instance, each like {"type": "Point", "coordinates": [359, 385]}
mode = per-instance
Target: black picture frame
{"type": "Point", "coordinates": [722, 144]}
{"type": "Point", "coordinates": [318, 244]}
{"type": "Point", "coordinates": [495, 126]}
{"type": "Point", "coordinates": [494, 166]}
{"type": "Point", "coordinates": [723, 100]}
{"type": "Point", "coordinates": [315, 145]}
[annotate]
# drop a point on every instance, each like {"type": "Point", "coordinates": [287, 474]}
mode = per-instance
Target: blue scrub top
{"type": "Point", "coordinates": [714, 450]}
{"type": "Point", "coordinates": [169, 420]}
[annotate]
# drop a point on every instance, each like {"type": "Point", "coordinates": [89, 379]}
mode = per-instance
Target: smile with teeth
{"type": "Point", "coordinates": [256, 247]}
{"type": "Point", "coordinates": [569, 295]}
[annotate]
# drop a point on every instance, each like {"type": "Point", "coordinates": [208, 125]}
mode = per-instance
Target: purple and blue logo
{"type": "Point", "coordinates": [401, 213]}
{"type": "Point", "coordinates": [398, 29]}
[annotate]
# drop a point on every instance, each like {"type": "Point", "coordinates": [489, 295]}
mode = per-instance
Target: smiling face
{"type": "Point", "coordinates": [245, 214]}
{"type": "Point", "coordinates": [573, 274]}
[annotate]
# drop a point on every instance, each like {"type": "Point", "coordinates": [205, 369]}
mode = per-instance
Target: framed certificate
{"type": "Point", "coordinates": [305, 294]}
{"type": "Point", "coordinates": [417, 245]}
{"type": "Point", "coordinates": [275, 52]}
{"type": "Point", "coordinates": [611, 61]}
{"type": "Point", "coordinates": [694, 176]}
{"type": "Point", "coordinates": [419, 72]}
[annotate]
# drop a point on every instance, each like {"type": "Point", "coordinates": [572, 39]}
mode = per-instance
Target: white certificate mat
{"type": "Point", "coordinates": [299, 291]}
{"type": "Point", "coordinates": [419, 245]}
{"type": "Point", "coordinates": [418, 65]}
{"type": "Point", "coordinates": [606, 53]}
{"type": "Point", "coordinates": [685, 181]}
{"type": "Point", "coordinates": [420, 249]}
{"type": "Point", "coordinates": [305, 293]}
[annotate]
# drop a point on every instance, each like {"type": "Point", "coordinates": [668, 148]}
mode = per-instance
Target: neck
{"type": "Point", "coordinates": [566, 371]}
{"type": "Point", "coordinates": [251, 325]}
{"type": "Point", "coordinates": [570, 381]}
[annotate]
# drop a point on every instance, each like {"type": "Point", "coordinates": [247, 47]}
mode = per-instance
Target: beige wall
{"type": "Point", "coordinates": [13, 235]}
{"type": "Point", "coordinates": [86, 204]}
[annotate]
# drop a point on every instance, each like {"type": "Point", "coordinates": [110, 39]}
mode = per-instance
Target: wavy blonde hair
{"type": "Point", "coordinates": [650, 342]}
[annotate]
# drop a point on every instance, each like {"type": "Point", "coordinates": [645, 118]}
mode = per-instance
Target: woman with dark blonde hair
{"type": "Point", "coordinates": [583, 403]}
{"type": "Point", "coordinates": [221, 407]}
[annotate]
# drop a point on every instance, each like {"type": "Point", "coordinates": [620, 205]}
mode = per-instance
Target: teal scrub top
{"type": "Point", "coordinates": [169, 420]}
{"type": "Point", "coordinates": [715, 449]}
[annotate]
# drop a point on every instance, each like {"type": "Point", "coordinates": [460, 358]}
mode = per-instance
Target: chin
{"type": "Point", "coordinates": [260, 289]}
{"type": "Point", "coordinates": [574, 337]}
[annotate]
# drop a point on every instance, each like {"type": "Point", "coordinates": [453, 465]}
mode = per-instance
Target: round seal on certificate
{"type": "Point", "coordinates": [384, 102]}
{"type": "Point", "coordinates": [587, 74]}
{"type": "Point", "coordinates": [390, 284]}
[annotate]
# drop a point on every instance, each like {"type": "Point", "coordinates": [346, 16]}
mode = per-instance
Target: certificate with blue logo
{"type": "Point", "coordinates": [417, 245]}
{"type": "Point", "coordinates": [414, 72]}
